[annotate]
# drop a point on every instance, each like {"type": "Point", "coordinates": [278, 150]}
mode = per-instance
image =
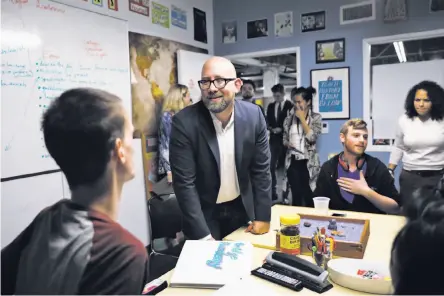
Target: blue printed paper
{"type": "Point", "coordinates": [178, 17]}
{"type": "Point", "coordinates": [330, 96]}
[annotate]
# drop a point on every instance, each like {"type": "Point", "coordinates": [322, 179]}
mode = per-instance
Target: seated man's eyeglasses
{"type": "Point", "coordinates": [219, 83]}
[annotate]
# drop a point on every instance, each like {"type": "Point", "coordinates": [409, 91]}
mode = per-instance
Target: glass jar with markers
{"type": "Point", "coordinates": [289, 235]}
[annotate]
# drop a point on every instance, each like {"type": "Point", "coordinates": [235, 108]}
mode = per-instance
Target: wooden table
{"type": "Point", "coordinates": [383, 229]}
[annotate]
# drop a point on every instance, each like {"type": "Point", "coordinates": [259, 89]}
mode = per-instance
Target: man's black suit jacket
{"type": "Point", "coordinates": [274, 122]}
{"type": "Point", "coordinates": [195, 159]}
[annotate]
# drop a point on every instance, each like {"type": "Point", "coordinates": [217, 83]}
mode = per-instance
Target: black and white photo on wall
{"type": "Point", "coordinates": [313, 21]}
{"type": "Point", "coordinates": [229, 31]}
{"type": "Point", "coordinates": [200, 25]}
{"type": "Point", "coordinates": [257, 28]}
{"type": "Point", "coordinates": [436, 5]}
{"type": "Point", "coordinates": [283, 24]}
{"type": "Point", "coordinates": [330, 51]}
{"type": "Point", "coordinates": [395, 10]}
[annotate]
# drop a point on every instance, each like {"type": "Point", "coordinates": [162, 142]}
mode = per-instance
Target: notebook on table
{"type": "Point", "coordinates": [212, 264]}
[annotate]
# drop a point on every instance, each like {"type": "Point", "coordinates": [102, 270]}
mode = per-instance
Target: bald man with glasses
{"type": "Point", "coordinates": [220, 159]}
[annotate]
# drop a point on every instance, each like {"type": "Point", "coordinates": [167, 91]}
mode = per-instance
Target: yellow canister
{"type": "Point", "coordinates": [290, 238]}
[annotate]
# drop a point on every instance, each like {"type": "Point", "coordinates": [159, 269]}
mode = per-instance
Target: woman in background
{"type": "Point", "coordinates": [301, 130]}
{"type": "Point", "coordinates": [178, 97]}
{"type": "Point", "coordinates": [414, 270]}
{"type": "Point", "coordinates": [420, 139]}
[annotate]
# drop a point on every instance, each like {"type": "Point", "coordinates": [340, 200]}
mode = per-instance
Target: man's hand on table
{"type": "Point", "coordinates": [258, 227]}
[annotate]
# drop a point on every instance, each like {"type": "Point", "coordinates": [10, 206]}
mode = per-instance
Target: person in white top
{"type": "Point", "coordinates": [420, 139]}
{"type": "Point", "coordinates": [220, 159]}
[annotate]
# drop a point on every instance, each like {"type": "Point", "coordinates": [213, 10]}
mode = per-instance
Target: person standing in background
{"type": "Point", "coordinates": [302, 128]}
{"type": "Point", "coordinates": [419, 140]}
{"type": "Point", "coordinates": [248, 91]}
{"type": "Point", "coordinates": [220, 159]}
{"type": "Point", "coordinates": [276, 114]}
{"type": "Point", "coordinates": [178, 97]}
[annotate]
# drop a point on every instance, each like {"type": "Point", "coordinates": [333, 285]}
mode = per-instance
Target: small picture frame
{"type": "Point", "coordinates": [312, 21]}
{"type": "Point", "coordinates": [257, 28]}
{"type": "Point", "coordinates": [229, 31]}
{"type": "Point", "coordinates": [436, 5]}
{"type": "Point", "coordinates": [330, 51]}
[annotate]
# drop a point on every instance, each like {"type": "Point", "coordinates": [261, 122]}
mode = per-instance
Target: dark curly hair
{"type": "Point", "coordinates": [435, 94]}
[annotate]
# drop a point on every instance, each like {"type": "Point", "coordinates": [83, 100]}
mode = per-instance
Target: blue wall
{"type": "Point", "coordinates": [419, 19]}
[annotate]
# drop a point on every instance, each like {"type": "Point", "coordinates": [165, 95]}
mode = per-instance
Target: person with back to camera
{"type": "Point", "coordinates": [420, 139]}
{"type": "Point", "coordinates": [302, 128]}
{"type": "Point", "coordinates": [354, 180]}
{"type": "Point", "coordinates": [76, 245]}
{"type": "Point", "coordinates": [417, 256]}
{"type": "Point", "coordinates": [220, 159]}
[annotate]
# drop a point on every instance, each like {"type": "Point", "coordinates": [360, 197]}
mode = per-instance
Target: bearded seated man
{"type": "Point", "coordinates": [354, 180]}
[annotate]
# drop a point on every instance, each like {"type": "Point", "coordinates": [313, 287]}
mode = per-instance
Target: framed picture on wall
{"type": "Point", "coordinates": [313, 21]}
{"type": "Point", "coordinates": [436, 5]}
{"type": "Point", "coordinates": [332, 100]}
{"type": "Point", "coordinates": [257, 28]}
{"type": "Point", "coordinates": [330, 51]}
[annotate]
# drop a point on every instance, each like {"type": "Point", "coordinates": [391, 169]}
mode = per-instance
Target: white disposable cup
{"type": "Point", "coordinates": [321, 205]}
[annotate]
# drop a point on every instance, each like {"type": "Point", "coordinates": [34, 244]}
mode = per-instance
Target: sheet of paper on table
{"type": "Point", "coordinates": [212, 264]}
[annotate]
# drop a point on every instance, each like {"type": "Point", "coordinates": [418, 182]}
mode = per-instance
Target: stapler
{"type": "Point", "coordinates": [312, 276]}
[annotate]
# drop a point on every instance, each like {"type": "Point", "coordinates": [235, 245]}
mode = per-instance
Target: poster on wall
{"type": "Point", "coordinates": [178, 17]}
{"type": "Point", "coordinates": [229, 31]}
{"type": "Point", "coordinates": [97, 2]}
{"type": "Point", "coordinates": [153, 65]}
{"type": "Point", "coordinates": [140, 6]}
{"type": "Point", "coordinates": [200, 25]}
{"type": "Point", "coordinates": [332, 100]}
{"type": "Point", "coordinates": [436, 5]}
{"type": "Point", "coordinates": [257, 28]}
{"type": "Point", "coordinates": [330, 51]}
{"type": "Point", "coordinates": [283, 24]}
{"type": "Point", "coordinates": [113, 5]}
{"type": "Point", "coordinates": [153, 71]}
{"type": "Point", "coordinates": [395, 10]}
{"type": "Point", "coordinates": [160, 15]}
{"type": "Point", "coordinates": [312, 21]}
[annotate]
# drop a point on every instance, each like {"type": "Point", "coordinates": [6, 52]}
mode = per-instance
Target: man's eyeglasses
{"type": "Point", "coordinates": [219, 83]}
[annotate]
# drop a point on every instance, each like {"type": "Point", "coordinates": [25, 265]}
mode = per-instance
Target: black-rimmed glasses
{"type": "Point", "coordinates": [219, 83]}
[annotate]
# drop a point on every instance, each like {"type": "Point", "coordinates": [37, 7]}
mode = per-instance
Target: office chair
{"type": "Point", "coordinates": [165, 221]}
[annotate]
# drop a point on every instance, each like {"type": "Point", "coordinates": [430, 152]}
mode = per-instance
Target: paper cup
{"type": "Point", "coordinates": [321, 205]}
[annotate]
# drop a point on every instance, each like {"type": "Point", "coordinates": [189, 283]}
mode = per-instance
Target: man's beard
{"type": "Point", "coordinates": [247, 96]}
{"type": "Point", "coordinates": [352, 150]}
{"type": "Point", "coordinates": [216, 107]}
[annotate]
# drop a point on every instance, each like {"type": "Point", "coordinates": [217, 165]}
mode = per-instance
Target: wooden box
{"type": "Point", "coordinates": [352, 245]}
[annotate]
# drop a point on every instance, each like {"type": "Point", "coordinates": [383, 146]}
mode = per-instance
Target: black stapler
{"type": "Point", "coordinates": [312, 276]}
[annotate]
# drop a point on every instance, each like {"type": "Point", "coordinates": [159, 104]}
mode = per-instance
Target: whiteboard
{"type": "Point", "coordinates": [23, 199]}
{"type": "Point", "coordinates": [189, 69]}
{"type": "Point", "coordinates": [48, 48]}
{"type": "Point", "coordinates": [390, 85]}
